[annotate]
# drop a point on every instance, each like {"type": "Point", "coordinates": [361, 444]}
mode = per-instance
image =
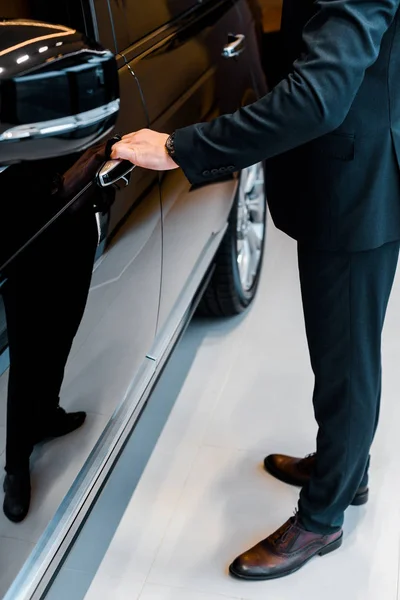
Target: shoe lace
{"type": "Point", "coordinates": [282, 533]}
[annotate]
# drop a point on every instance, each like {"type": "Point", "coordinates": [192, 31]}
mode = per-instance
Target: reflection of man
{"type": "Point", "coordinates": [45, 296]}
{"type": "Point", "coordinates": [330, 130]}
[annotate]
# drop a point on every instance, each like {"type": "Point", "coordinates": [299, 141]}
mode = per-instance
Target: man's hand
{"type": "Point", "coordinates": [146, 149]}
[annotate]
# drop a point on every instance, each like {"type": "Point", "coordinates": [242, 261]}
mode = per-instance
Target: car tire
{"type": "Point", "coordinates": [238, 262]}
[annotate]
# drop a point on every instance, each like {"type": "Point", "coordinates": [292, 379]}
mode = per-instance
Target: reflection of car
{"type": "Point", "coordinates": [162, 245]}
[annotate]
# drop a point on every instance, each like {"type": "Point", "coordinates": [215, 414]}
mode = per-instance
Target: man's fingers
{"type": "Point", "coordinates": [123, 151]}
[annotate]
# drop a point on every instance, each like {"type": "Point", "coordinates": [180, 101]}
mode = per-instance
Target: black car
{"type": "Point", "coordinates": [162, 248]}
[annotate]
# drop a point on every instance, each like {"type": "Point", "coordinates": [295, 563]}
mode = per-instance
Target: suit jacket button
{"type": "Point", "coordinates": [214, 171]}
{"type": "Point", "coordinates": [231, 168]}
{"type": "Point", "coordinates": [222, 169]}
{"type": "Point", "coordinates": [206, 173]}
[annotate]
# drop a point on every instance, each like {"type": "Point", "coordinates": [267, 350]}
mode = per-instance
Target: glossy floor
{"type": "Point", "coordinates": [244, 391]}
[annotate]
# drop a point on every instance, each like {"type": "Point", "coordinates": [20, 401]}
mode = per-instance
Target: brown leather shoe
{"type": "Point", "coordinates": [297, 471]}
{"type": "Point", "coordinates": [284, 552]}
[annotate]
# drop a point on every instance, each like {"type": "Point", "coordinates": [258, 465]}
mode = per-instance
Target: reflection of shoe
{"type": "Point", "coordinates": [17, 488]}
{"type": "Point", "coordinates": [59, 424]}
{"type": "Point", "coordinates": [298, 471]}
{"type": "Point", "coordinates": [284, 552]}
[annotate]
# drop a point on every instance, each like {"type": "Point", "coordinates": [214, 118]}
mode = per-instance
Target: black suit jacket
{"type": "Point", "coordinates": [330, 130]}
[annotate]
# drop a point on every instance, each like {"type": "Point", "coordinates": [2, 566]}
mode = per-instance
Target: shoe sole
{"type": "Point", "coordinates": [323, 552]}
{"type": "Point", "coordinates": [359, 499]}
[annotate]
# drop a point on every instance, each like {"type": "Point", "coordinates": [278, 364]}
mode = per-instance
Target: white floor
{"type": "Point", "coordinates": [204, 497]}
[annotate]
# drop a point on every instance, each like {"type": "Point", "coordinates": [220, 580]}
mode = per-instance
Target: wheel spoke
{"type": "Point", "coordinates": [254, 239]}
{"type": "Point", "coordinates": [250, 223]}
{"type": "Point", "coordinates": [255, 244]}
{"type": "Point", "coordinates": [256, 208]}
{"type": "Point", "coordinates": [250, 178]}
{"type": "Point", "coordinates": [245, 263]}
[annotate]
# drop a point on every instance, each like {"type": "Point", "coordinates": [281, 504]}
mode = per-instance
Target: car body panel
{"type": "Point", "coordinates": [195, 92]}
{"type": "Point", "coordinates": [158, 228]}
{"type": "Point", "coordinates": [119, 325]}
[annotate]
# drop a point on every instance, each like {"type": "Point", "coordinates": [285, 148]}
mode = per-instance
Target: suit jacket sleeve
{"type": "Point", "coordinates": [342, 40]}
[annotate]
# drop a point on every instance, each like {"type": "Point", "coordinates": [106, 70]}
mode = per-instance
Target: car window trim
{"type": "Point", "coordinates": [163, 34]}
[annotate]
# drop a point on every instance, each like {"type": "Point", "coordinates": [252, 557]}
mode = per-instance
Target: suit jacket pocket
{"type": "Point", "coordinates": [334, 145]}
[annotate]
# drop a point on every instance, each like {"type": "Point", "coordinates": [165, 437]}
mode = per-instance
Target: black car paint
{"type": "Point", "coordinates": [198, 91]}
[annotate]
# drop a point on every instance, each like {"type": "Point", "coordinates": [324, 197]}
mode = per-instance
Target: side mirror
{"type": "Point", "coordinates": [59, 92]}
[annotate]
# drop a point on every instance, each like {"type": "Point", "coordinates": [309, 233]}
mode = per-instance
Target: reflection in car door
{"type": "Point", "coordinates": [119, 323]}
{"type": "Point", "coordinates": [185, 79]}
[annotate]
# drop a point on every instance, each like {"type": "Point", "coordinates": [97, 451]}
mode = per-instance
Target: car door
{"type": "Point", "coordinates": [119, 324]}
{"type": "Point", "coordinates": [176, 52]}
{"type": "Point", "coordinates": [251, 16]}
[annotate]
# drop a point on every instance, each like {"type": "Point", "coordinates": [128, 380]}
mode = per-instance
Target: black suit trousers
{"type": "Point", "coordinates": [45, 296]}
{"type": "Point", "coordinates": [345, 296]}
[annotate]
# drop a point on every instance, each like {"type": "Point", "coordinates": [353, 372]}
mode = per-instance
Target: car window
{"type": "Point", "coordinates": [134, 20]}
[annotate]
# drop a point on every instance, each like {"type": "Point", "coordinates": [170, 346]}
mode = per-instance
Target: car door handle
{"type": "Point", "coordinates": [237, 44]}
{"type": "Point", "coordinates": [114, 172]}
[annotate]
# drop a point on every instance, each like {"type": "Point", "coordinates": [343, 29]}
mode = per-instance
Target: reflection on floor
{"type": "Point", "coordinates": [54, 467]}
{"type": "Point", "coordinates": [204, 498]}
{"type": "Point", "coordinates": [102, 362]}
